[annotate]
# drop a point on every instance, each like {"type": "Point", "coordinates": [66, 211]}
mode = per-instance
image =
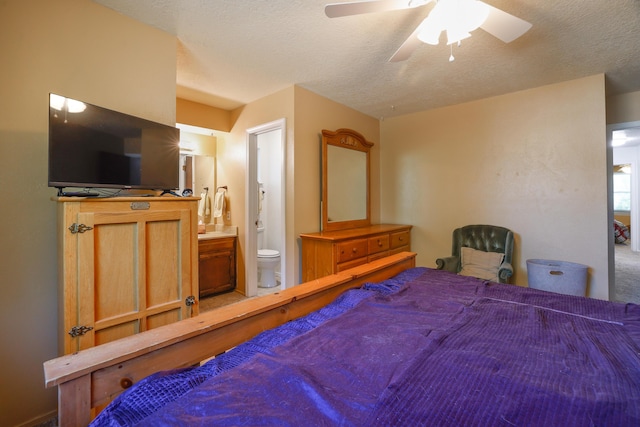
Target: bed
{"type": "Point", "coordinates": [397, 345]}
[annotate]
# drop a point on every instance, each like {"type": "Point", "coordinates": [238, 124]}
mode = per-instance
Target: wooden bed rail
{"type": "Point", "coordinates": [93, 377]}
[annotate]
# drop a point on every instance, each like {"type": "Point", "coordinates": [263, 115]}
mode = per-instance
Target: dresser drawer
{"type": "Point", "coordinates": [399, 239]}
{"type": "Point", "coordinates": [378, 243]}
{"type": "Point", "coordinates": [378, 256]}
{"type": "Point", "coordinates": [347, 265]}
{"type": "Point", "coordinates": [399, 249]}
{"type": "Point", "coordinates": [351, 250]}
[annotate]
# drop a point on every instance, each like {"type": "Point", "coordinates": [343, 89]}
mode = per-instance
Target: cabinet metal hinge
{"type": "Point", "coordinates": [191, 300]}
{"type": "Point", "coordinates": [77, 331]}
{"type": "Point", "coordinates": [79, 228]}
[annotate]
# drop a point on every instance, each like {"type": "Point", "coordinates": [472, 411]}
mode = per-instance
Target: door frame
{"type": "Point", "coordinates": [251, 203]}
{"type": "Point", "coordinates": [635, 203]}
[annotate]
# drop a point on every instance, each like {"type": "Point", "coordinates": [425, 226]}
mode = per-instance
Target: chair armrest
{"type": "Point", "coordinates": [449, 263]}
{"type": "Point", "coordinates": [504, 272]}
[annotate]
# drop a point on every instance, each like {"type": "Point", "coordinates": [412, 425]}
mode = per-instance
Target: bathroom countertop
{"type": "Point", "coordinates": [218, 232]}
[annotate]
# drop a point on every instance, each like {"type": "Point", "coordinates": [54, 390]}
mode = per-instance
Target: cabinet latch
{"type": "Point", "coordinates": [77, 331]}
{"type": "Point", "coordinates": [191, 300]}
{"type": "Point", "coordinates": [79, 228]}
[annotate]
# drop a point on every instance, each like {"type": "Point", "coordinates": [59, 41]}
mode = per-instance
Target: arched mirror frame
{"type": "Point", "coordinates": [350, 140]}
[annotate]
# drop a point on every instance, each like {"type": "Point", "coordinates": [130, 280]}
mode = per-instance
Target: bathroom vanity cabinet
{"type": "Point", "coordinates": [330, 252]}
{"type": "Point", "coordinates": [126, 265]}
{"type": "Point", "coordinates": [216, 265]}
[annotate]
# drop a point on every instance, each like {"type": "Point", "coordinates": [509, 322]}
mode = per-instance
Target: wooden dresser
{"type": "Point", "coordinates": [329, 252]}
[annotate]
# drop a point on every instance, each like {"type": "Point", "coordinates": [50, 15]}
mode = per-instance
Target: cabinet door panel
{"type": "Point", "coordinates": [115, 270]}
{"type": "Point", "coordinates": [215, 270]}
{"type": "Point", "coordinates": [108, 334]}
{"type": "Point", "coordinates": [130, 266]}
{"type": "Point", "coordinates": [164, 318]}
{"type": "Point", "coordinates": [163, 278]}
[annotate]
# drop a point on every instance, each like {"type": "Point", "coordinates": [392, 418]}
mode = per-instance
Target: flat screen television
{"type": "Point", "coordinates": [94, 147]}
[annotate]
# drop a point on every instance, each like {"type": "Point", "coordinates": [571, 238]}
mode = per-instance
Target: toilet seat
{"type": "Point", "coordinates": [268, 253]}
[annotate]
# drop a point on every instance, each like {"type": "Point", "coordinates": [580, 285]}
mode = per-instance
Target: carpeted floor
{"type": "Point", "coordinates": [209, 303]}
{"type": "Point", "coordinates": [627, 284]}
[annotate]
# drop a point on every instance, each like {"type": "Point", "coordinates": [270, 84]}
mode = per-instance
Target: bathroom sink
{"type": "Point", "coordinates": [219, 233]}
{"type": "Point", "coordinates": [214, 235]}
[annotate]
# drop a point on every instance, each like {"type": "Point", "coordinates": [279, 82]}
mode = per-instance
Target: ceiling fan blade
{"type": "Point", "coordinates": [504, 26]}
{"type": "Point", "coordinates": [408, 47]}
{"type": "Point", "coordinates": [335, 10]}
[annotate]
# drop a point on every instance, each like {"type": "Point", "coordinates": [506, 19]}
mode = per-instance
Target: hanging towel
{"type": "Point", "coordinates": [218, 204]}
{"type": "Point", "coordinates": [204, 205]}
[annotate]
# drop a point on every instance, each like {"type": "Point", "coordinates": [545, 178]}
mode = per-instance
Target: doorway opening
{"type": "Point", "coordinates": [266, 201]}
{"type": "Point", "coordinates": [624, 253]}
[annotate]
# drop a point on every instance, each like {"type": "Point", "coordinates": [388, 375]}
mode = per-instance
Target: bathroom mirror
{"type": "Point", "coordinates": [345, 180]}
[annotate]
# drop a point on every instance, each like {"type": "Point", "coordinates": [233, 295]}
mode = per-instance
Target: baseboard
{"type": "Point", "coordinates": [50, 419]}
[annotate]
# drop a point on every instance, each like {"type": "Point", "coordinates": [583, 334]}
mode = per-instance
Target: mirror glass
{"type": "Point", "coordinates": [346, 184]}
{"type": "Point", "coordinates": [198, 148]}
{"type": "Point", "coordinates": [345, 180]}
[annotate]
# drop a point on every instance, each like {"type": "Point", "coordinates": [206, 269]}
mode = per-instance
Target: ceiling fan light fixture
{"type": "Point", "coordinates": [472, 13]}
{"type": "Point", "coordinates": [430, 32]}
{"type": "Point", "coordinates": [454, 35]}
{"type": "Point", "coordinates": [456, 17]}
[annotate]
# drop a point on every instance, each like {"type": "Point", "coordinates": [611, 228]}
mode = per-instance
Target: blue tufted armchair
{"type": "Point", "coordinates": [487, 238]}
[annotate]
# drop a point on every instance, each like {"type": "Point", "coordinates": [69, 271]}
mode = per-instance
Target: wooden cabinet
{"type": "Point", "coordinates": [217, 265]}
{"type": "Point", "coordinates": [126, 265]}
{"type": "Point", "coordinates": [329, 252]}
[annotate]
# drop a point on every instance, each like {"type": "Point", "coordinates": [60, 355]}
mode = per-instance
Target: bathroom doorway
{"type": "Point", "coordinates": [265, 204]}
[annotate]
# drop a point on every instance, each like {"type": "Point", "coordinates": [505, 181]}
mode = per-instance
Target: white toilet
{"type": "Point", "coordinates": [268, 260]}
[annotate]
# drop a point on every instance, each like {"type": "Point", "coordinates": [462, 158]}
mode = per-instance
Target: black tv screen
{"type": "Point", "coordinates": [94, 147]}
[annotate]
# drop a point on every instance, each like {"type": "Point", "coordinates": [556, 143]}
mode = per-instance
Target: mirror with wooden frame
{"type": "Point", "coordinates": [345, 180]}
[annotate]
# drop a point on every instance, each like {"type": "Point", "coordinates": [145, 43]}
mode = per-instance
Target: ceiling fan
{"type": "Point", "coordinates": [456, 18]}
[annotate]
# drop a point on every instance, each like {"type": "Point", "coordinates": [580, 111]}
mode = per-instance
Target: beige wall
{"type": "Point", "coordinates": [79, 49]}
{"type": "Point", "coordinates": [623, 108]}
{"type": "Point", "coordinates": [204, 116]}
{"type": "Point", "coordinates": [306, 114]}
{"type": "Point", "coordinates": [533, 161]}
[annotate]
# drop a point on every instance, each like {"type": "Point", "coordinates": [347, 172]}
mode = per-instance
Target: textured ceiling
{"type": "Point", "coordinates": [235, 52]}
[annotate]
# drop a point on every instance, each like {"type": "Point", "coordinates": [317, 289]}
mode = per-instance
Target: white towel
{"type": "Point", "coordinates": [218, 204]}
{"type": "Point", "coordinates": [204, 205]}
